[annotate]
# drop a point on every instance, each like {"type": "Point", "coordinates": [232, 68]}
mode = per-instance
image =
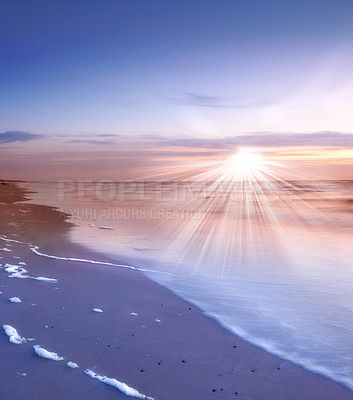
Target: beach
{"type": "Point", "coordinates": [140, 333]}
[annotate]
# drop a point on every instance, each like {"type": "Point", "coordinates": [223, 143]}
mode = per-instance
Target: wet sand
{"type": "Point", "coordinates": [169, 351]}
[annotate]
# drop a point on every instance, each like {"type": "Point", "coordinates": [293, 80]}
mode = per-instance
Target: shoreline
{"type": "Point", "coordinates": [169, 350]}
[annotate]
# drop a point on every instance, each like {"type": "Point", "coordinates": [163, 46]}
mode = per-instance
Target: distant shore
{"type": "Point", "coordinates": [139, 334]}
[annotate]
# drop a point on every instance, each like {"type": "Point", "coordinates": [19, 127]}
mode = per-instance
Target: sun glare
{"type": "Point", "coordinates": [245, 162]}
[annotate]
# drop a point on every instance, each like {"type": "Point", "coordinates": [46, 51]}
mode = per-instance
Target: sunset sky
{"type": "Point", "coordinates": [112, 88]}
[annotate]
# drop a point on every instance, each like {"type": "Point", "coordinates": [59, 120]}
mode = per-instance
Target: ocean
{"type": "Point", "coordinates": [270, 261]}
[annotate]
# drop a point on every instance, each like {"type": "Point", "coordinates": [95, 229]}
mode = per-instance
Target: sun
{"type": "Point", "coordinates": [245, 162]}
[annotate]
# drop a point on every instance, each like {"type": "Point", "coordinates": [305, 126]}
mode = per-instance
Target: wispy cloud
{"type": "Point", "coordinates": [108, 135]}
{"type": "Point", "coordinates": [18, 136]}
{"type": "Point", "coordinates": [93, 141]}
{"type": "Point", "coordinates": [219, 102]}
{"type": "Point", "coordinates": [327, 139]}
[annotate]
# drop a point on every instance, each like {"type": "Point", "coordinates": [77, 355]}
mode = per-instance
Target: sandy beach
{"type": "Point", "coordinates": [140, 333]}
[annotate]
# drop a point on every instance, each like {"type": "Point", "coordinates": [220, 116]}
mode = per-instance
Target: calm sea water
{"type": "Point", "coordinates": [272, 262]}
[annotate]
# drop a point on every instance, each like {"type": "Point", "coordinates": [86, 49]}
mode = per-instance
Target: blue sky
{"type": "Point", "coordinates": [134, 66]}
{"type": "Point", "coordinates": [200, 69]}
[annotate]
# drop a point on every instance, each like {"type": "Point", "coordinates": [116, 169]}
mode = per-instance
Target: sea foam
{"type": "Point", "coordinates": [13, 335]}
{"type": "Point", "coordinates": [15, 300]}
{"type": "Point", "coordinates": [72, 365]}
{"type": "Point", "coordinates": [16, 271]}
{"type": "Point", "coordinates": [50, 355]}
{"type": "Point", "coordinates": [121, 386]}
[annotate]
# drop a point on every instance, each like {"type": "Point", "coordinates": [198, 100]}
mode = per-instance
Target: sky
{"type": "Point", "coordinates": [112, 88]}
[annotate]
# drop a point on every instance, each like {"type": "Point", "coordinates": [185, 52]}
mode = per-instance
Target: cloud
{"type": "Point", "coordinates": [258, 139]}
{"type": "Point", "coordinates": [219, 102]}
{"type": "Point", "coordinates": [323, 139]}
{"type": "Point", "coordinates": [18, 136]}
{"type": "Point", "coordinates": [108, 135]}
{"type": "Point", "coordinates": [149, 141]}
{"type": "Point", "coordinates": [92, 141]}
